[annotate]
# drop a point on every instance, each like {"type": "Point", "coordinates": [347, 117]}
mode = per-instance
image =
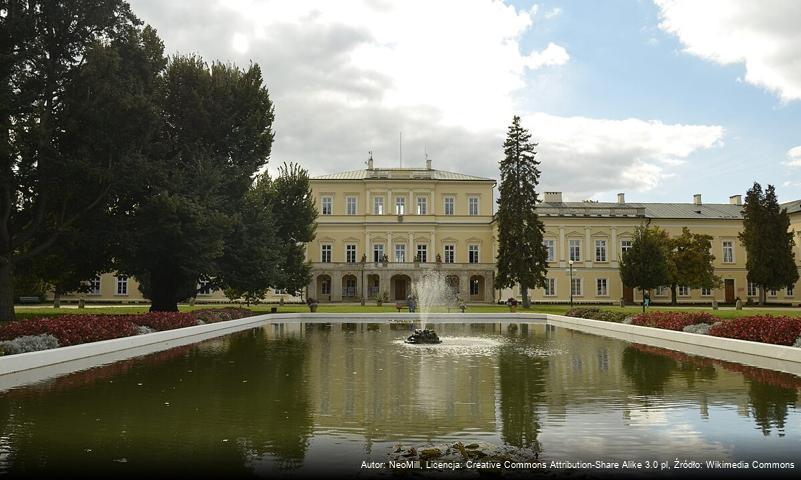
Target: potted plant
{"type": "Point", "coordinates": [312, 303]}
{"type": "Point", "coordinates": [512, 302]}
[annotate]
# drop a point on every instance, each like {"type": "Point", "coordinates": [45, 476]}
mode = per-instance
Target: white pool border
{"type": "Point", "coordinates": [31, 367]}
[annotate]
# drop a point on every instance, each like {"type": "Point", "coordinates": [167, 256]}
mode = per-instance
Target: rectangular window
{"type": "Point", "coordinates": [378, 252]}
{"type": "Point", "coordinates": [601, 287]}
{"type": "Point", "coordinates": [683, 290]}
{"type": "Point", "coordinates": [752, 289]}
{"type": "Point", "coordinates": [706, 292]}
{"type": "Point", "coordinates": [94, 286]}
{"type": "Point", "coordinates": [378, 205]}
{"type": "Point", "coordinates": [448, 205]}
{"type": "Point", "coordinates": [422, 206]}
{"type": "Point", "coordinates": [472, 206]}
{"type": "Point", "coordinates": [472, 254]}
{"type": "Point", "coordinates": [550, 247]}
{"type": "Point", "coordinates": [450, 253]}
{"type": "Point", "coordinates": [772, 292]}
{"type": "Point", "coordinates": [625, 246]}
{"type": "Point", "coordinates": [350, 287]}
{"type": "Point", "coordinates": [325, 286]}
{"type": "Point", "coordinates": [475, 287]}
{"type": "Point", "coordinates": [328, 206]}
{"type": "Point", "coordinates": [550, 287]}
{"type": "Point", "coordinates": [422, 252]}
{"type": "Point", "coordinates": [400, 205]}
{"type": "Point", "coordinates": [400, 252]}
{"type": "Point", "coordinates": [350, 204]}
{"type": "Point", "coordinates": [350, 253]}
{"type": "Point", "coordinates": [575, 286]}
{"type": "Point", "coordinates": [600, 250]}
{"type": "Point", "coordinates": [789, 290]}
{"type": "Point", "coordinates": [325, 253]}
{"type": "Point", "coordinates": [728, 251]}
{"type": "Point", "coordinates": [661, 291]}
{"type": "Point", "coordinates": [575, 250]}
{"type": "Point", "coordinates": [122, 285]}
{"type": "Point", "coordinates": [203, 287]}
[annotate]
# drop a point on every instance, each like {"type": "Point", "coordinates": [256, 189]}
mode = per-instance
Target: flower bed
{"type": "Point", "coordinates": [163, 320]}
{"type": "Point", "coordinates": [597, 314]}
{"type": "Point", "coordinates": [760, 328]}
{"type": "Point", "coordinates": [211, 315]}
{"type": "Point", "coordinates": [672, 320]}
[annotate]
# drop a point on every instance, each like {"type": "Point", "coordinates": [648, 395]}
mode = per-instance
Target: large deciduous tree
{"type": "Point", "coordinates": [690, 262]}
{"type": "Point", "coordinates": [644, 265]}
{"type": "Point", "coordinates": [768, 241]}
{"type": "Point", "coordinates": [74, 109]}
{"type": "Point", "coordinates": [522, 257]}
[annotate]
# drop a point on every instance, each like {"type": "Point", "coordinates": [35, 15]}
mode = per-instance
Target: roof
{"type": "Point", "coordinates": [646, 210]}
{"type": "Point", "coordinates": [792, 207]}
{"type": "Point", "coordinates": [402, 174]}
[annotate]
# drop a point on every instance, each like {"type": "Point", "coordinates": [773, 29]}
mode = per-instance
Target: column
{"type": "Point", "coordinates": [562, 247]}
{"type": "Point", "coordinates": [590, 249]}
{"type": "Point", "coordinates": [614, 247]}
{"type": "Point", "coordinates": [389, 207]}
{"type": "Point", "coordinates": [367, 210]}
{"type": "Point", "coordinates": [336, 286]}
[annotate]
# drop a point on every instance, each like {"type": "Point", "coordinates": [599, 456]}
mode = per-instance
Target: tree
{"type": "Point", "coordinates": [645, 264]}
{"type": "Point", "coordinates": [522, 256]}
{"type": "Point", "coordinates": [73, 113]}
{"type": "Point", "coordinates": [690, 262]}
{"type": "Point", "coordinates": [190, 210]}
{"type": "Point", "coordinates": [768, 241]}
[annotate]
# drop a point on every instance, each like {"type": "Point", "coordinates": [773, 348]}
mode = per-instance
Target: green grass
{"type": "Point", "coordinates": [389, 307]}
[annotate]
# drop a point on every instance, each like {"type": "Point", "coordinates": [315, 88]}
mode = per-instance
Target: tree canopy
{"type": "Point", "coordinates": [644, 265]}
{"type": "Point", "coordinates": [690, 262]}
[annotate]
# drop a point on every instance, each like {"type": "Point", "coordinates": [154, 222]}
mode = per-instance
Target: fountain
{"type": "Point", "coordinates": [424, 336]}
{"type": "Point", "coordinates": [430, 291]}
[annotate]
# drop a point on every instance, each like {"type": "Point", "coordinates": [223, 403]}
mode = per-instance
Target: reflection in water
{"type": "Point", "coordinates": [290, 398]}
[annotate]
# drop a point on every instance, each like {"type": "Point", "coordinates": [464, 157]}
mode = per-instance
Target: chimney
{"type": "Point", "coordinates": [552, 197]}
{"type": "Point", "coordinates": [697, 199]}
{"type": "Point", "coordinates": [370, 162]}
{"type": "Point", "coordinates": [428, 163]}
{"type": "Point", "coordinates": [736, 200]}
{"type": "Point", "coordinates": [621, 198]}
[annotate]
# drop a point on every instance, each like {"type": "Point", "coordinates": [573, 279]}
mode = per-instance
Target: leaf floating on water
{"type": "Point", "coordinates": [167, 403]}
{"type": "Point", "coordinates": [225, 440]}
{"type": "Point", "coordinates": [121, 460]}
{"type": "Point", "coordinates": [87, 450]}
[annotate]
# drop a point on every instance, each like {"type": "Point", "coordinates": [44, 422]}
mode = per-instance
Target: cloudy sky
{"type": "Point", "coordinates": [659, 99]}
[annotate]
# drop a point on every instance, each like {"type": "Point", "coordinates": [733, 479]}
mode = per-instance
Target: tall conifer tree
{"type": "Point", "coordinates": [522, 256]}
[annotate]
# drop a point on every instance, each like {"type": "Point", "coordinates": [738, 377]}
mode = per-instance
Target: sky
{"type": "Point", "coordinates": [658, 99]}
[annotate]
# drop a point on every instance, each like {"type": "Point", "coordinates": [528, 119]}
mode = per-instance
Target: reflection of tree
{"type": "Point", "coordinates": [522, 381]}
{"type": "Point", "coordinates": [649, 372]}
{"type": "Point", "coordinates": [769, 405]}
{"type": "Point", "coordinates": [207, 412]}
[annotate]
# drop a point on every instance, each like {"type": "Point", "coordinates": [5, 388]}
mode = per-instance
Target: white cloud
{"type": "Point", "coordinates": [552, 13]}
{"type": "Point", "coordinates": [794, 157]}
{"type": "Point", "coordinates": [764, 36]}
{"type": "Point", "coordinates": [552, 55]}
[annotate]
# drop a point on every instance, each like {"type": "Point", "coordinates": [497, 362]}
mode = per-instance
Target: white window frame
{"type": "Point", "coordinates": [477, 284]}
{"type": "Point", "coordinates": [378, 252]}
{"type": "Point", "coordinates": [203, 287]}
{"type": "Point", "coordinates": [326, 205]}
{"type": "Point", "coordinates": [599, 292]}
{"type": "Point", "coordinates": [422, 205]}
{"type": "Point", "coordinates": [625, 246]}
{"type": "Point", "coordinates": [706, 292]}
{"type": "Point", "coordinates": [661, 291]}
{"type": "Point", "coordinates": [751, 287]}
{"type": "Point", "coordinates": [550, 287]}
{"type": "Point", "coordinates": [576, 282]}
{"type": "Point", "coordinates": [424, 250]}
{"type": "Point", "coordinates": [449, 253]}
{"type": "Point", "coordinates": [682, 291]}
{"type": "Point", "coordinates": [326, 248]}
{"type": "Point", "coordinates": [350, 205]}
{"type": "Point", "coordinates": [473, 249]}
{"type": "Point", "coordinates": [400, 205]}
{"type": "Point", "coordinates": [449, 201]}
{"type": "Point", "coordinates": [350, 252]}
{"type": "Point", "coordinates": [600, 251]}
{"type": "Point", "coordinates": [325, 286]}
{"type": "Point", "coordinates": [574, 243]}
{"type": "Point", "coordinates": [550, 247]}
{"type": "Point", "coordinates": [95, 282]}
{"type": "Point", "coordinates": [772, 292]}
{"type": "Point", "coordinates": [122, 281]}
{"type": "Point", "coordinates": [378, 205]}
{"type": "Point", "coordinates": [728, 249]}
{"type": "Point", "coordinates": [400, 253]}
{"type": "Point", "coordinates": [789, 291]}
{"type": "Point", "coordinates": [472, 205]}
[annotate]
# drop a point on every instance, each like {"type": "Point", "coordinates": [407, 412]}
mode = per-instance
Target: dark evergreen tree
{"type": "Point", "coordinates": [645, 264]}
{"type": "Point", "coordinates": [768, 241]}
{"type": "Point", "coordinates": [522, 257]}
{"type": "Point", "coordinates": [690, 262]}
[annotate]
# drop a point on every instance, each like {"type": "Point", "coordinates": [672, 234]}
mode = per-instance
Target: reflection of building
{"type": "Point", "coordinates": [380, 230]}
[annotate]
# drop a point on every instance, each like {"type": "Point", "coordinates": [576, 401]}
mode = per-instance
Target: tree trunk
{"type": "Point", "coordinates": [762, 296]}
{"type": "Point", "coordinates": [524, 293]}
{"type": "Point", "coordinates": [673, 300]}
{"type": "Point", "coordinates": [7, 292]}
{"type": "Point", "coordinates": [56, 299]}
{"type": "Point", "coordinates": [163, 292]}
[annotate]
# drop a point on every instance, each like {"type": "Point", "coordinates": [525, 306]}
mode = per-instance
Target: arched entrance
{"type": "Point", "coordinates": [453, 282]}
{"type": "Point", "coordinates": [349, 291]}
{"type": "Point", "coordinates": [477, 288]}
{"type": "Point", "coordinates": [323, 290]}
{"type": "Point", "coordinates": [400, 287]}
{"type": "Point", "coordinates": [373, 286]}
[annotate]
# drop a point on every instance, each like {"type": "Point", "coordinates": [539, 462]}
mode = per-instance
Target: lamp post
{"type": "Point", "coordinates": [571, 283]}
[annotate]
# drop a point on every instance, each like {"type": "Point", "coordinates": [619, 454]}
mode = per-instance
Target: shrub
{"type": "Point", "coordinates": [72, 329]}
{"type": "Point", "coordinates": [29, 343]}
{"type": "Point", "coordinates": [211, 315]}
{"type": "Point", "coordinates": [760, 328]}
{"type": "Point", "coordinates": [596, 314]}
{"type": "Point", "coordinates": [163, 320]}
{"type": "Point", "coordinates": [672, 320]}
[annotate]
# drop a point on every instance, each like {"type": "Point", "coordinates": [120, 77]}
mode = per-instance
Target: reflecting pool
{"type": "Point", "coordinates": [301, 398]}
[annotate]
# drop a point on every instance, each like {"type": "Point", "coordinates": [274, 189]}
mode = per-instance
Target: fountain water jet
{"type": "Point", "coordinates": [430, 291]}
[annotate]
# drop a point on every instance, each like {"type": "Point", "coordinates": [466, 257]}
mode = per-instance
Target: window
{"type": "Point", "coordinates": [350, 253]}
{"type": "Point", "coordinates": [575, 250]}
{"type": "Point", "coordinates": [728, 251]}
{"type": "Point", "coordinates": [94, 286]}
{"type": "Point", "coordinates": [325, 253]}
{"type": "Point", "coordinates": [122, 285]}
{"type": "Point", "coordinates": [378, 252]}
{"type": "Point", "coordinates": [450, 253]}
{"type": "Point", "coordinates": [400, 252]}
{"type": "Point", "coordinates": [448, 205]}
{"type": "Point", "coordinates": [550, 287]}
{"type": "Point", "coordinates": [575, 286]}
{"type": "Point", "coordinates": [378, 205]}
{"type": "Point", "coordinates": [350, 287]}
{"type": "Point", "coordinates": [203, 287]}
{"type": "Point", "coordinates": [752, 289]}
{"type": "Point", "coordinates": [706, 292]}
{"type": "Point", "coordinates": [600, 250]}
{"type": "Point", "coordinates": [601, 287]}
{"type": "Point", "coordinates": [422, 252]}
{"type": "Point", "coordinates": [350, 205]}
{"type": "Point", "coordinates": [422, 206]}
{"type": "Point", "coordinates": [325, 286]}
{"type": "Point", "coordinates": [472, 206]}
{"type": "Point", "coordinates": [551, 249]}
{"type": "Point", "coordinates": [661, 290]}
{"type": "Point", "coordinates": [328, 206]}
{"type": "Point", "coordinates": [472, 254]}
{"type": "Point", "coordinates": [625, 246]}
{"type": "Point", "coordinates": [400, 205]}
{"type": "Point", "coordinates": [683, 290]}
{"type": "Point", "coordinates": [475, 286]}
{"type": "Point", "coordinates": [772, 292]}
{"type": "Point", "coordinates": [789, 290]}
